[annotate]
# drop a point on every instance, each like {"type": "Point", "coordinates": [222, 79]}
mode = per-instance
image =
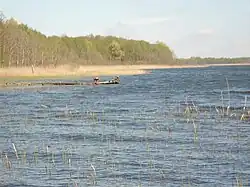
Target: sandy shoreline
{"type": "Point", "coordinates": [90, 71]}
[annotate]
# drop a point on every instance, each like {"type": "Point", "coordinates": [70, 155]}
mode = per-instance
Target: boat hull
{"type": "Point", "coordinates": [108, 82]}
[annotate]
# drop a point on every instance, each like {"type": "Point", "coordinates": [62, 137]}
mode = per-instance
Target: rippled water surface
{"type": "Point", "coordinates": [174, 127]}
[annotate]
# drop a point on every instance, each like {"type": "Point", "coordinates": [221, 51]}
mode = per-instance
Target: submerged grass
{"type": "Point", "coordinates": [100, 158]}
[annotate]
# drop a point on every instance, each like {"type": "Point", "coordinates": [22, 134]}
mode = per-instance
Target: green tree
{"type": "Point", "coordinates": [115, 51]}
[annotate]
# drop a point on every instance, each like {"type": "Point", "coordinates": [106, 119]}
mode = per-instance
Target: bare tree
{"type": "Point", "coordinates": [23, 47]}
{"type": "Point", "coordinates": [2, 30]}
{"type": "Point", "coordinates": [11, 41]}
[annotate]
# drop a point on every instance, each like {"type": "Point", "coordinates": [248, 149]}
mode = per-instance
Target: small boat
{"type": "Point", "coordinates": [115, 80]}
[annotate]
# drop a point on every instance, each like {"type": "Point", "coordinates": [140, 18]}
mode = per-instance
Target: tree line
{"type": "Point", "coordinates": [212, 60]}
{"type": "Point", "coordinates": [22, 45]}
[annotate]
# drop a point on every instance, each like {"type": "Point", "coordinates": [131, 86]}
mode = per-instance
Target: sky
{"type": "Point", "coordinates": [205, 28]}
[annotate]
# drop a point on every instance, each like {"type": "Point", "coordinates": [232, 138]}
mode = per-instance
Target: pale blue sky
{"type": "Point", "coordinates": [190, 27]}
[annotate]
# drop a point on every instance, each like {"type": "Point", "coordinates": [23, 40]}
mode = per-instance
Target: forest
{"type": "Point", "coordinates": [23, 46]}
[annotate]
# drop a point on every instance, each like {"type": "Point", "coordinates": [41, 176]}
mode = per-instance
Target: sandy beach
{"type": "Point", "coordinates": [90, 71]}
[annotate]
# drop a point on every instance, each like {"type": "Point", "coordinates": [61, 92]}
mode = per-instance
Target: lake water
{"type": "Point", "coordinates": [168, 128]}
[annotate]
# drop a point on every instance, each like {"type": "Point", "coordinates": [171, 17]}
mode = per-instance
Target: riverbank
{"type": "Point", "coordinates": [66, 70]}
{"type": "Point", "coordinates": [88, 71]}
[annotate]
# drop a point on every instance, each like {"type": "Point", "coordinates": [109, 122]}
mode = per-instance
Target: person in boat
{"type": "Point", "coordinates": [96, 80]}
{"type": "Point", "coordinates": [116, 79]}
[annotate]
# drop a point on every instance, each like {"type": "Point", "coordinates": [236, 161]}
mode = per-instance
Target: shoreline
{"type": "Point", "coordinates": [90, 70]}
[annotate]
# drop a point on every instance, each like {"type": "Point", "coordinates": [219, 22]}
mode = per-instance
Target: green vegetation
{"type": "Point", "coordinates": [23, 46]}
{"type": "Point", "coordinates": [211, 60]}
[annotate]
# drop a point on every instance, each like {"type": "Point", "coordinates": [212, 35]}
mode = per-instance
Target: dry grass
{"type": "Point", "coordinates": [66, 70]}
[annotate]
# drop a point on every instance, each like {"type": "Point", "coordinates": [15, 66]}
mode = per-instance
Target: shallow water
{"type": "Point", "coordinates": [138, 133]}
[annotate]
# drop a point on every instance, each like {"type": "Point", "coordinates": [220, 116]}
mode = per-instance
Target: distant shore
{"type": "Point", "coordinates": [90, 71]}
